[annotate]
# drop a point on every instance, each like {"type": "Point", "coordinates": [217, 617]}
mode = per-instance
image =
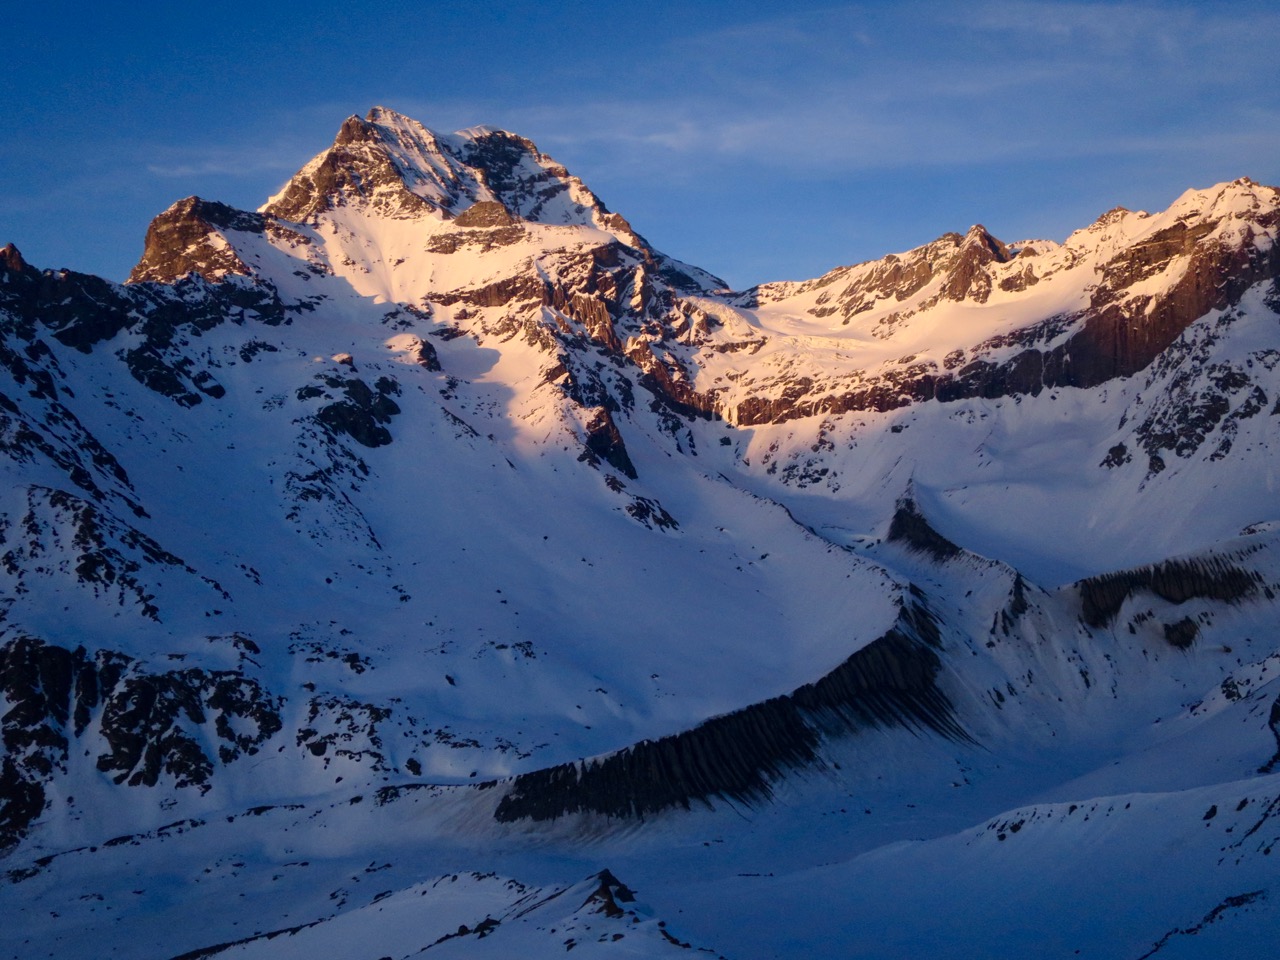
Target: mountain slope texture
{"type": "Point", "coordinates": [425, 565]}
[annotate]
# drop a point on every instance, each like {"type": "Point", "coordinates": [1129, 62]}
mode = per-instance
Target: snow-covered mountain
{"type": "Point", "coordinates": [424, 564]}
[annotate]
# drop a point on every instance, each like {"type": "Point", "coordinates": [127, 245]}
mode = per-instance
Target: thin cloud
{"type": "Point", "coordinates": [990, 82]}
{"type": "Point", "coordinates": [1012, 81]}
{"type": "Point", "coordinates": [200, 161]}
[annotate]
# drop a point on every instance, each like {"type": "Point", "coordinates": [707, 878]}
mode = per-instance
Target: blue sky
{"type": "Point", "coordinates": [758, 141]}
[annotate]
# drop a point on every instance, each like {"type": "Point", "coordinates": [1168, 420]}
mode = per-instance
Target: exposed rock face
{"type": "Point", "coordinates": [344, 727]}
{"type": "Point", "coordinates": [910, 527]}
{"type": "Point", "coordinates": [60, 533]}
{"type": "Point", "coordinates": [521, 288]}
{"type": "Point", "coordinates": [668, 381]}
{"type": "Point", "coordinates": [35, 423]}
{"type": "Point", "coordinates": [609, 894]}
{"type": "Point", "coordinates": [486, 213]}
{"type": "Point", "coordinates": [1176, 581]}
{"type": "Point", "coordinates": [397, 168]}
{"type": "Point", "coordinates": [147, 725]}
{"type": "Point", "coordinates": [151, 725]}
{"type": "Point", "coordinates": [81, 311]}
{"type": "Point", "coordinates": [1181, 634]}
{"type": "Point", "coordinates": [957, 262]}
{"type": "Point", "coordinates": [362, 412]}
{"type": "Point", "coordinates": [1273, 721]}
{"type": "Point", "coordinates": [604, 441]}
{"type": "Point", "coordinates": [1207, 400]}
{"type": "Point", "coordinates": [355, 168]}
{"type": "Point", "coordinates": [1142, 296]}
{"type": "Point", "coordinates": [1123, 334]}
{"type": "Point", "coordinates": [651, 513]}
{"type": "Point", "coordinates": [11, 259]}
{"type": "Point", "coordinates": [892, 682]}
{"type": "Point", "coordinates": [184, 239]}
{"type": "Point", "coordinates": [967, 277]}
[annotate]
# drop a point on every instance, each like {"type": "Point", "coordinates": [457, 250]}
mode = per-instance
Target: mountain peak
{"type": "Point", "coordinates": [11, 259]}
{"type": "Point", "coordinates": [186, 238]}
{"type": "Point", "coordinates": [373, 162]}
{"type": "Point", "coordinates": [404, 190]}
{"type": "Point", "coordinates": [355, 130]}
{"type": "Point", "coordinates": [978, 237]}
{"type": "Point", "coordinates": [380, 114]}
{"type": "Point", "coordinates": [1237, 199]}
{"type": "Point", "coordinates": [395, 167]}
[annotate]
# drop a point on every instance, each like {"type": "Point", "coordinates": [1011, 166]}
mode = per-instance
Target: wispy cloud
{"type": "Point", "coordinates": [202, 160]}
{"type": "Point", "coordinates": [825, 92]}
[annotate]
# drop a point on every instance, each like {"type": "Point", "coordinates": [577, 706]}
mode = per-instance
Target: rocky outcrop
{"type": "Point", "coordinates": [651, 514]}
{"type": "Point", "coordinates": [82, 311]}
{"type": "Point", "coordinates": [519, 289]}
{"type": "Point", "coordinates": [66, 536]}
{"type": "Point", "coordinates": [1204, 399]}
{"type": "Point", "coordinates": [11, 260]}
{"type": "Point", "coordinates": [36, 425]}
{"type": "Point", "coordinates": [340, 726]}
{"type": "Point", "coordinates": [608, 895]}
{"type": "Point", "coordinates": [670, 384]}
{"type": "Point", "coordinates": [486, 213]}
{"type": "Point", "coordinates": [956, 265]}
{"type": "Point", "coordinates": [1125, 331]}
{"type": "Point", "coordinates": [526, 182]}
{"type": "Point", "coordinates": [355, 409]}
{"type": "Point", "coordinates": [356, 169]}
{"type": "Point", "coordinates": [153, 725]}
{"type": "Point", "coordinates": [487, 224]}
{"type": "Point", "coordinates": [1181, 634]}
{"type": "Point", "coordinates": [1143, 298]}
{"type": "Point", "coordinates": [1176, 581]}
{"type": "Point", "coordinates": [186, 239]}
{"type": "Point", "coordinates": [147, 725]}
{"type": "Point", "coordinates": [604, 442]}
{"type": "Point", "coordinates": [77, 308]}
{"type": "Point", "coordinates": [910, 528]}
{"type": "Point", "coordinates": [967, 277]}
{"type": "Point", "coordinates": [891, 682]}
{"type": "Point", "coordinates": [1273, 722]}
